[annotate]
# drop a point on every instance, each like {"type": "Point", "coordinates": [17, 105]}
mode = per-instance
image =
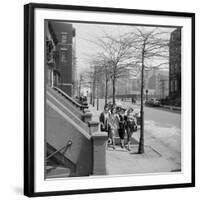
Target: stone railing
{"type": "Point", "coordinates": [98, 149]}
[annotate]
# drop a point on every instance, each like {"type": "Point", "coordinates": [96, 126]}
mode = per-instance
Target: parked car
{"type": "Point", "coordinates": [153, 102]}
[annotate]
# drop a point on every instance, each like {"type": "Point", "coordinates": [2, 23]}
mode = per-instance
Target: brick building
{"type": "Point", "coordinates": [61, 68]}
{"type": "Point", "coordinates": [175, 67]}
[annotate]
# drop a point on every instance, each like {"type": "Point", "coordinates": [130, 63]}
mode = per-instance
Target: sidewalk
{"type": "Point", "coordinates": [157, 157]}
{"type": "Point", "coordinates": [123, 162]}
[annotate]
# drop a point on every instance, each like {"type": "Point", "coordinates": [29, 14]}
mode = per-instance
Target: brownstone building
{"type": "Point", "coordinates": [59, 55]}
{"type": "Point", "coordinates": [175, 67]}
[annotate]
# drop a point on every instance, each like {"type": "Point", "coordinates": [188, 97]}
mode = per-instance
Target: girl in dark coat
{"type": "Point", "coordinates": [122, 127]}
{"type": "Point", "coordinates": [103, 119]}
{"type": "Point", "coordinates": [104, 122]}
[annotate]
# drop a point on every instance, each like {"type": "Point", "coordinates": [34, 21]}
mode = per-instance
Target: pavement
{"type": "Point", "coordinates": [162, 138]}
{"type": "Point", "coordinates": [120, 161]}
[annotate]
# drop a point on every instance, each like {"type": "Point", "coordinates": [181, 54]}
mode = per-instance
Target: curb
{"type": "Point", "coordinates": [171, 107]}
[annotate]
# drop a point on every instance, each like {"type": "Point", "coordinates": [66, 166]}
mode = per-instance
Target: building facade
{"type": "Point", "coordinates": [125, 86]}
{"type": "Point", "coordinates": [156, 82]}
{"type": "Point", "coordinates": [60, 55]}
{"type": "Point", "coordinates": [163, 85]}
{"type": "Point", "coordinates": [175, 67]}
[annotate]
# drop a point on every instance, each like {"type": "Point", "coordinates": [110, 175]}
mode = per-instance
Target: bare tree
{"type": "Point", "coordinates": [116, 52]}
{"type": "Point", "coordinates": [90, 79]}
{"type": "Point", "coordinates": [106, 72]}
{"type": "Point", "coordinates": [103, 73]}
{"type": "Point", "coordinates": [150, 47]}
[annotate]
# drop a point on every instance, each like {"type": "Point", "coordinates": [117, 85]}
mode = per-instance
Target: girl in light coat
{"type": "Point", "coordinates": [113, 125]}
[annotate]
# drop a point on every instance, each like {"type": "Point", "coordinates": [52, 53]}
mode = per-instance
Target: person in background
{"type": "Point", "coordinates": [133, 100]}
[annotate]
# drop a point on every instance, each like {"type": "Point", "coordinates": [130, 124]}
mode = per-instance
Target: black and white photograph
{"type": "Point", "coordinates": [99, 99]}
{"type": "Point", "coordinates": [113, 99]}
{"type": "Point", "coordinates": [109, 100]}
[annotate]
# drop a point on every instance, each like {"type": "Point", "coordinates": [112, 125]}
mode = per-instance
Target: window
{"type": "Point", "coordinates": [172, 69]}
{"type": "Point", "coordinates": [64, 38]}
{"type": "Point", "coordinates": [63, 56]}
{"type": "Point", "coordinates": [175, 85]}
{"type": "Point", "coordinates": [172, 85]}
{"type": "Point", "coordinates": [175, 67]}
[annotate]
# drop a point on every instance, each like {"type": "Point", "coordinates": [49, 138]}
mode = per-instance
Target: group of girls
{"type": "Point", "coordinates": [122, 122]}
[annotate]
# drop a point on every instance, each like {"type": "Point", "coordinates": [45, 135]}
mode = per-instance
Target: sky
{"type": "Point", "coordinates": [85, 33]}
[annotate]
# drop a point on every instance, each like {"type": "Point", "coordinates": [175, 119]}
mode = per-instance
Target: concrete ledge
{"type": "Point", "coordinates": [100, 134]}
{"type": "Point", "coordinates": [172, 107]}
{"type": "Point", "coordinates": [86, 110]}
{"type": "Point", "coordinates": [86, 117]}
{"type": "Point", "coordinates": [93, 126]}
{"type": "Point", "coordinates": [99, 152]}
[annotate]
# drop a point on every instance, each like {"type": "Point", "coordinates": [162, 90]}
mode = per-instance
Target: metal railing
{"type": "Point", "coordinates": [65, 147]}
{"type": "Point", "coordinates": [82, 107]}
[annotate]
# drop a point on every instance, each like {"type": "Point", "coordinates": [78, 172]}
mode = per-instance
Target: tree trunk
{"type": "Point", "coordinates": [97, 103]}
{"type": "Point", "coordinates": [93, 103]}
{"type": "Point", "coordinates": [113, 90]}
{"type": "Point", "coordinates": [141, 142]}
{"type": "Point", "coordinates": [97, 91]}
{"type": "Point", "coordinates": [91, 93]}
{"type": "Point", "coordinates": [106, 92]}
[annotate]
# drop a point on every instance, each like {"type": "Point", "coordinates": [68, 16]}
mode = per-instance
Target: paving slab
{"type": "Point", "coordinates": [120, 161]}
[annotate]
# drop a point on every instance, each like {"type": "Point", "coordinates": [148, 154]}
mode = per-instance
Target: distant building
{"type": "Point", "coordinates": [156, 82]}
{"type": "Point", "coordinates": [61, 68]}
{"type": "Point", "coordinates": [175, 67]}
{"type": "Point", "coordinates": [123, 86]}
{"type": "Point", "coordinates": [74, 66]}
{"type": "Point", "coordinates": [126, 86]}
{"type": "Point", "coordinates": [163, 85]}
{"type": "Point", "coordinates": [150, 82]}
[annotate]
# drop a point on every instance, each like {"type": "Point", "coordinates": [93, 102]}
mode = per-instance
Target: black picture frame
{"type": "Point", "coordinates": [29, 95]}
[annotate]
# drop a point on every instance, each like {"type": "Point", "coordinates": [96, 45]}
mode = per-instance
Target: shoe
{"type": "Point", "coordinates": [128, 148]}
{"type": "Point", "coordinates": [109, 141]}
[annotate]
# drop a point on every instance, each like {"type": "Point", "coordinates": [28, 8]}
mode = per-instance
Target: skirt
{"type": "Point", "coordinates": [121, 132]}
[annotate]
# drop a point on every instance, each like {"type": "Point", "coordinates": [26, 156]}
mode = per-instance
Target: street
{"type": "Point", "coordinates": [162, 138]}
